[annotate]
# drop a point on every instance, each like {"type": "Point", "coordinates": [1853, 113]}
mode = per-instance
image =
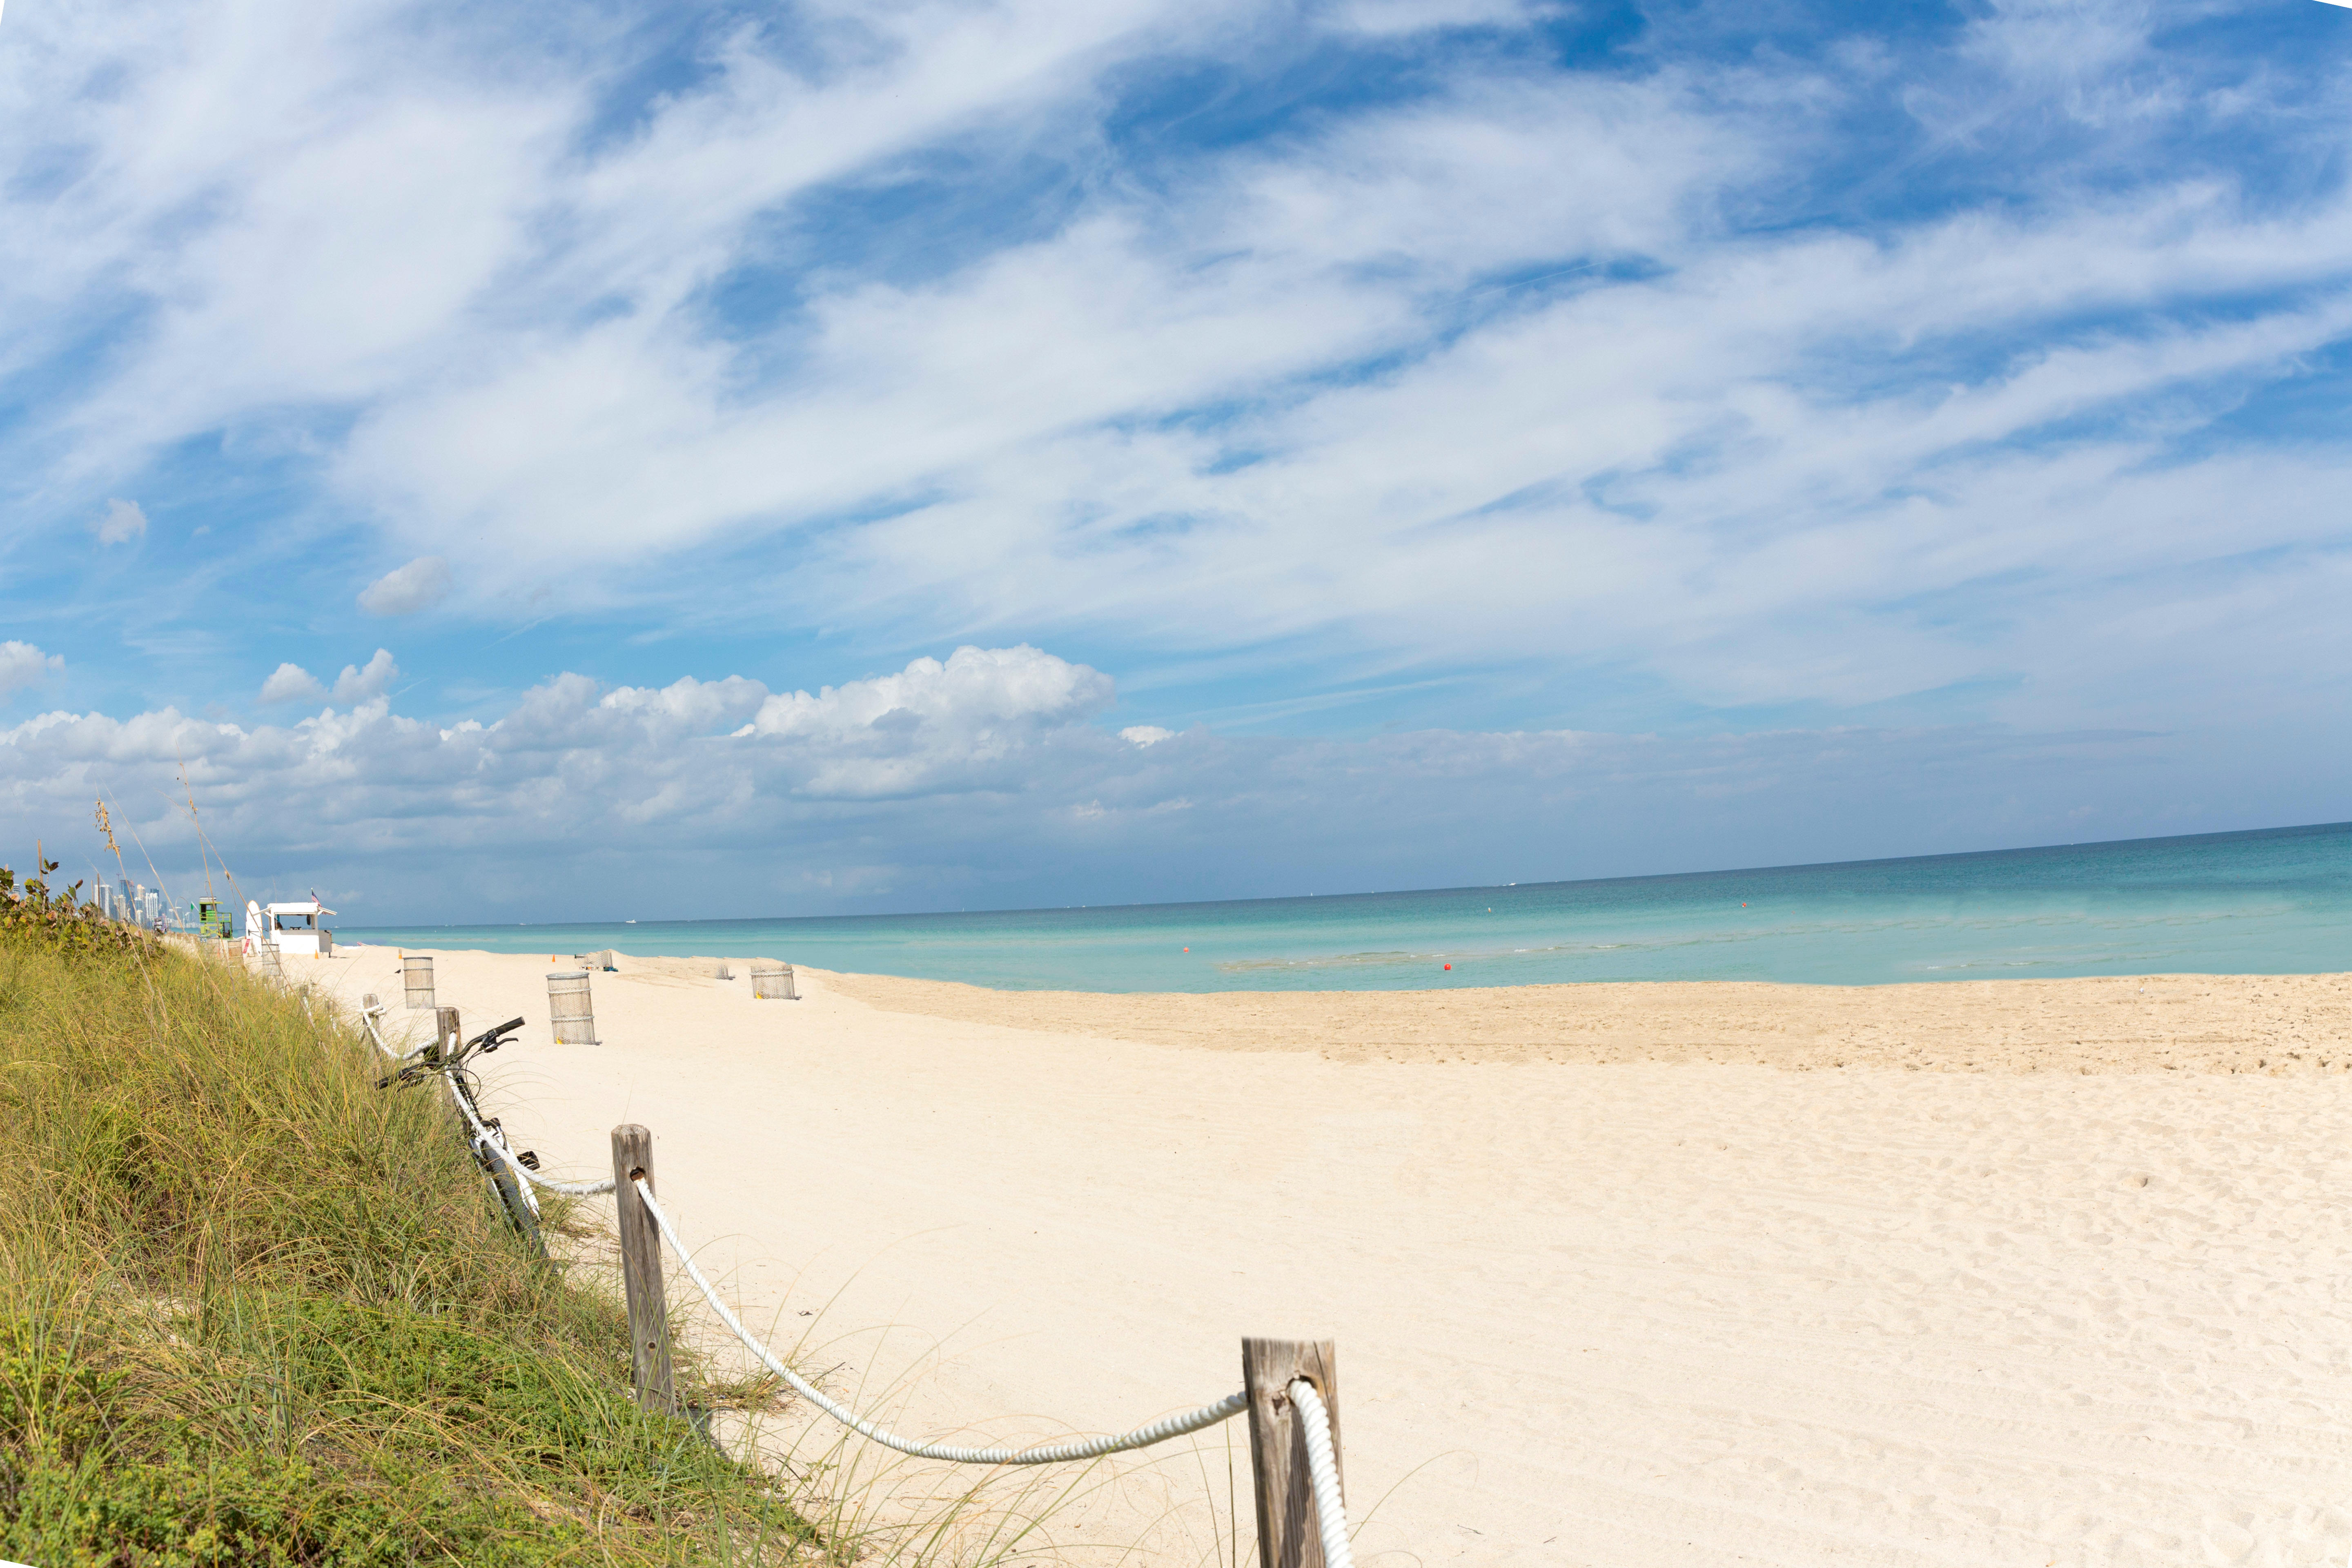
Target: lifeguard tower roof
{"type": "Point", "coordinates": [301, 906]}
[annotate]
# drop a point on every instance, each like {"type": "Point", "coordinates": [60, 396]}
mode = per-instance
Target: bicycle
{"type": "Point", "coordinates": [447, 1063]}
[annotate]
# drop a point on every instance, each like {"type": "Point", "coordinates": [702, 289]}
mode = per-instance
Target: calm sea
{"type": "Point", "coordinates": [2272, 902]}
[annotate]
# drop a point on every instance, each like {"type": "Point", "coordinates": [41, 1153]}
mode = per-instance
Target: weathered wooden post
{"type": "Point", "coordinates": [773, 979]}
{"type": "Point", "coordinates": [641, 1271]}
{"type": "Point", "coordinates": [1287, 1532]}
{"type": "Point", "coordinates": [416, 978]}
{"type": "Point", "coordinates": [447, 1034]}
{"type": "Point", "coordinates": [571, 1010]}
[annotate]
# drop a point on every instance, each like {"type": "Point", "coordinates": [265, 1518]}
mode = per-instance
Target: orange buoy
{"type": "Point", "coordinates": [1449, 966]}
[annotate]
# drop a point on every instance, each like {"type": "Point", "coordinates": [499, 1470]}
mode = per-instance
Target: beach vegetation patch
{"type": "Point", "coordinates": [254, 1310]}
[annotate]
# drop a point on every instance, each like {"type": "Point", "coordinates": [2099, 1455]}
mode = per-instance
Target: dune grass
{"type": "Point", "coordinates": [255, 1311]}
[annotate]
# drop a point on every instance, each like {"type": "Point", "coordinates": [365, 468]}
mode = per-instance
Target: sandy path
{"type": "Point", "coordinates": [1655, 1312]}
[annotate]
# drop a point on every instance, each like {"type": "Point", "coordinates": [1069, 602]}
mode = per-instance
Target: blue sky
{"type": "Point", "coordinates": [542, 463]}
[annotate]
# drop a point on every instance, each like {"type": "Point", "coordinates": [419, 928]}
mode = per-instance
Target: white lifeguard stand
{"type": "Point", "coordinates": [295, 929]}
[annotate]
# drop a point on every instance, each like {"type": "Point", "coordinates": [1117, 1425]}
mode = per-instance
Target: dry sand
{"type": "Point", "coordinates": [1610, 1284]}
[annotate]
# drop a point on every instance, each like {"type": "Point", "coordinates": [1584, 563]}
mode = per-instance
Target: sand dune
{"type": "Point", "coordinates": [1610, 1284]}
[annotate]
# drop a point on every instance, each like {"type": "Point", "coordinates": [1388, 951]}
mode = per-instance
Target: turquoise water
{"type": "Point", "coordinates": [2272, 902]}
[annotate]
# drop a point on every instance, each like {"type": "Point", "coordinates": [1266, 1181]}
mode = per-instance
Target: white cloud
{"type": "Point", "coordinates": [1735, 468]}
{"type": "Point", "coordinates": [692, 758]}
{"type": "Point", "coordinates": [984, 778]}
{"type": "Point", "coordinates": [122, 523]}
{"type": "Point", "coordinates": [357, 684]}
{"type": "Point", "coordinates": [403, 591]}
{"type": "Point", "coordinates": [292, 683]}
{"type": "Point", "coordinates": [1146, 734]}
{"type": "Point", "coordinates": [23, 665]}
{"type": "Point", "coordinates": [968, 717]}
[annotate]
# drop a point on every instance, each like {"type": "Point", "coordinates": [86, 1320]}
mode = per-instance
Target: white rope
{"type": "Point", "coordinates": [569, 1189]}
{"type": "Point", "coordinates": [368, 1017]}
{"type": "Point", "coordinates": [1086, 1448]}
{"type": "Point", "coordinates": [1323, 1472]}
{"type": "Point", "coordinates": [484, 1137]}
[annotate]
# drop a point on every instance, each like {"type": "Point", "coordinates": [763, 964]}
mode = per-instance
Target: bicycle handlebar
{"type": "Point", "coordinates": [486, 1042]}
{"type": "Point", "coordinates": [491, 1039]}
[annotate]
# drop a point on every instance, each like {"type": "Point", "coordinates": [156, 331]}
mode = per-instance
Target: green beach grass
{"type": "Point", "coordinates": [255, 1311]}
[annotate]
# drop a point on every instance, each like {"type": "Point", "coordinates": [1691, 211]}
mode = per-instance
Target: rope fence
{"type": "Point", "coordinates": [1158, 1431]}
{"type": "Point", "coordinates": [1289, 1387]}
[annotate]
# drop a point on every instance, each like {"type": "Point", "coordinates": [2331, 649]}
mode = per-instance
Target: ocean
{"type": "Point", "coordinates": [2277, 901]}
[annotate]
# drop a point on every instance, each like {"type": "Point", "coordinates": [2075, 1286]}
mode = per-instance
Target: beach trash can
{"type": "Point", "coordinates": [774, 979]}
{"type": "Point", "coordinates": [416, 976]}
{"type": "Point", "coordinates": [570, 1009]}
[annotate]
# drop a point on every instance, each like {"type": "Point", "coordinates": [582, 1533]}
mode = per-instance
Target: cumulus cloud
{"type": "Point", "coordinates": [122, 522]}
{"type": "Point", "coordinates": [22, 665]}
{"type": "Point", "coordinates": [985, 778]}
{"type": "Point", "coordinates": [1146, 734]}
{"type": "Point", "coordinates": [357, 684]}
{"type": "Point", "coordinates": [406, 590]}
{"type": "Point", "coordinates": [969, 717]}
{"type": "Point", "coordinates": [292, 683]}
{"type": "Point", "coordinates": [670, 764]}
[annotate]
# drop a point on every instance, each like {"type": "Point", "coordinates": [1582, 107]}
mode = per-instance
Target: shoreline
{"type": "Point", "coordinates": [2233, 1024]}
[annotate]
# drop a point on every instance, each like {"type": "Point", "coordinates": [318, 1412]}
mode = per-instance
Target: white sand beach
{"type": "Point", "coordinates": [1621, 1276]}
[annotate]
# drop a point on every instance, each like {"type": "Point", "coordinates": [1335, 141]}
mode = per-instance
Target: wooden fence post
{"type": "Point", "coordinates": [1287, 1536]}
{"type": "Point", "coordinates": [447, 1034]}
{"type": "Point", "coordinates": [641, 1271]}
